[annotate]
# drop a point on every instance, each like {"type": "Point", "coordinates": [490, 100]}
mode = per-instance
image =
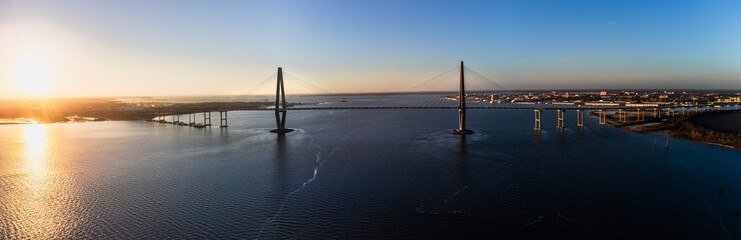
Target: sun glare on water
{"type": "Point", "coordinates": [32, 77]}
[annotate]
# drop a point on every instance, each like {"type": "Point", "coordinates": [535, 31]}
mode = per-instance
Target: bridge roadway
{"type": "Point", "coordinates": [540, 107]}
{"type": "Point", "coordinates": [449, 107]}
{"type": "Point", "coordinates": [670, 111]}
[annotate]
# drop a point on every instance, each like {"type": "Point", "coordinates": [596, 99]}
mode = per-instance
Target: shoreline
{"type": "Point", "coordinates": [16, 112]}
{"type": "Point", "coordinates": [683, 127]}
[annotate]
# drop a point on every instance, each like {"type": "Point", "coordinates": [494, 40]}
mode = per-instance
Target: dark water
{"type": "Point", "coordinates": [363, 174]}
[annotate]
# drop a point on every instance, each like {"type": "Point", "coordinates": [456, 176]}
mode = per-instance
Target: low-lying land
{"type": "Point", "coordinates": [729, 122]}
{"type": "Point", "coordinates": [101, 109]}
{"type": "Point", "coordinates": [716, 127]}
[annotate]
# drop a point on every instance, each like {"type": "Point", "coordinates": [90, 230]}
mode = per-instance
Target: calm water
{"type": "Point", "coordinates": [363, 174]}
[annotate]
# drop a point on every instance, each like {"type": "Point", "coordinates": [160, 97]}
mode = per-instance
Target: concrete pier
{"type": "Point", "coordinates": [207, 119]}
{"type": "Point", "coordinates": [223, 119]}
{"type": "Point", "coordinates": [622, 117]}
{"type": "Point", "coordinates": [560, 123]}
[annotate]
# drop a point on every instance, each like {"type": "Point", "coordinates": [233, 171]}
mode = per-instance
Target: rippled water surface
{"type": "Point", "coordinates": [363, 174]}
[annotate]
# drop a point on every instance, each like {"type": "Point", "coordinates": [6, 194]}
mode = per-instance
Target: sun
{"type": "Point", "coordinates": [32, 76]}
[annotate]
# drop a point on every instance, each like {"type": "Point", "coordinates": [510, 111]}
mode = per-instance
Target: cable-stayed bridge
{"type": "Point", "coordinates": [458, 88]}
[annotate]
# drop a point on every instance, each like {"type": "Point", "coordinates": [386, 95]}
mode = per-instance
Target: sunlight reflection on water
{"type": "Point", "coordinates": [40, 215]}
{"type": "Point", "coordinates": [35, 142]}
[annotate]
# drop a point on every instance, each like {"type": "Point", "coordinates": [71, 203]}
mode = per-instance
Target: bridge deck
{"type": "Point", "coordinates": [447, 107]}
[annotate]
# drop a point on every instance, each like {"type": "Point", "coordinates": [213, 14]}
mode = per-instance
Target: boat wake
{"type": "Point", "coordinates": [444, 206]}
{"type": "Point", "coordinates": [319, 163]}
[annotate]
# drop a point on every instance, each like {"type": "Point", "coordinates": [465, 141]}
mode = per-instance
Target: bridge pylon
{"type": "Point", "coordinates": [461, 108]}
{"type": "Point", "coordinates": [280, 106]}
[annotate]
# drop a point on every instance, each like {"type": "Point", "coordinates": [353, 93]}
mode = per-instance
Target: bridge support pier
{"type": "Point", "coordinates": [191, 119]}
{"type": "Point", "coordinates": [684, 111]}
{"type": "Point", "coordinates": [621, 115]}
{"type": "Point", "coordinates": [537, 119]}
{"type": "Point", "coordinates": [656, 115]}
{"type": "Point", "coordinates": [206, 118]}
{"type": "Point", "coordinates": [223, 119]}
{"type": "Point", "coordinates": [602, 117]}
{"type": "Point", "coordinates": [580, 118]}
{"type": "Point", "coordinates": [461, 108]}
{"type": "Point", "coordinates": [560, 123]}
{"type": "Point", "coordinates": [640, 115]}
{"type": "Point", "coordinates": [280, 106]}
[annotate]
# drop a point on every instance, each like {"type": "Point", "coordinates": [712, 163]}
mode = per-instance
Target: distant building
{"type": "Point", "coordinates": [641, 105]}
{"type": "Point", "coordinates": [730, 100]}
{"type": "Point", "coordinates": [601, 104]}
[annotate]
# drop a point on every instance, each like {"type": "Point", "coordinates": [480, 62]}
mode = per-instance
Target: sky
{"type": "Point", "coordinates": [91, 48]}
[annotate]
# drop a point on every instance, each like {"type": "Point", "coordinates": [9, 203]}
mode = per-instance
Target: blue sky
{"type": "Point", "coordinates": [356, 46]}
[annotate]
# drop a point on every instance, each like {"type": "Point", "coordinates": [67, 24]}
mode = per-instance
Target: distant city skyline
{"type": "Point", "coordinates": [85, 48]}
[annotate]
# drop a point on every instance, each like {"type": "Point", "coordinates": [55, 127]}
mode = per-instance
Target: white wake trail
{"type": "Point", "coordinates": [318, 166]}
